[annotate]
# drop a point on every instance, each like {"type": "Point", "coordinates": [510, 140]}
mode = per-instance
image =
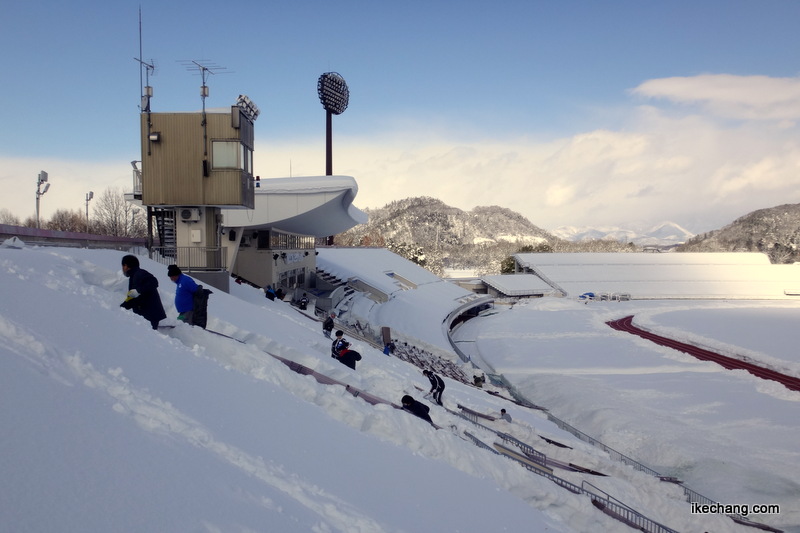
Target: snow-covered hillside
{"type": "Point", "coordinates": [111, 426]}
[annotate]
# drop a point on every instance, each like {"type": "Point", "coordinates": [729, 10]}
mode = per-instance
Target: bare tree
{"type": "Point", "coordinates": [66, 220]}
{"type": "Point", "coordinates": [7, 217]}
{"type": "Point", "coordinates": [115, 216]}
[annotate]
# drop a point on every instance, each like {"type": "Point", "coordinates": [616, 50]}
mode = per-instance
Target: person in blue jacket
{"type": "Point", "coordinates": [142, 297]}
{"type": "Point", "coordinates": [184, 293]}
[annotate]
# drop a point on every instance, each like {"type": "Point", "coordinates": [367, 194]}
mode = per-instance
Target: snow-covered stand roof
{"type": "Point", "coordinates": [519, 285]}
{"type": "Point", "coordinates": [665, 275]}
{"type": "Point", "coordinates": [314, 205]}
{"type": "Point", "coordinates": [407, 286]}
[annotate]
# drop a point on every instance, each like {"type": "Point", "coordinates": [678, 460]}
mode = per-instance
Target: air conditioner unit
{"type": "Point", "coordinates": [190, 214]}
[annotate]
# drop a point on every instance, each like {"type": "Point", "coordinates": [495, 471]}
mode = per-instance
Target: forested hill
{"type": "Point", "coordinates": [438, 236]}
{"type": "Point", "coordinates": [774, 231]}
{"type": "Point", "coordinates": [432, 223]}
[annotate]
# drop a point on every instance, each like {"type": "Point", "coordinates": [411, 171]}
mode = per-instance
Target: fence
{"type": "Point", "coordinates": [191, 257]}
{"type": "Point", "coordinates": [44, 237]}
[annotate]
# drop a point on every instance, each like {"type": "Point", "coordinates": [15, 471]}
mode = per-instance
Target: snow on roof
{"type": "Point", "coordinates": [386, 271]}
{"type": "Point", "coordinates": [518, 284]}
{"type": "Point", "coordinates": [666, 275]}
{"type": "Point", "coordinates": [311, 205]}
{"type": "Point", "coordinates": [673, 258]}
{"type": "Point", "coordinates": [407, 286]}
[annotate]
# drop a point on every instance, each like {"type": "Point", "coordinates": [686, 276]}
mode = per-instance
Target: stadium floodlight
{"type": "Point", "coordinates": [247, 106]}
{"type": "Point", "coordinates": [335, 96]}
{"type": "Point", "coordinates": [333, 92]}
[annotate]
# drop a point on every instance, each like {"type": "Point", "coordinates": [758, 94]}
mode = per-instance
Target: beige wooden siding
{"type": "Point", "coordinates": [172, 173]}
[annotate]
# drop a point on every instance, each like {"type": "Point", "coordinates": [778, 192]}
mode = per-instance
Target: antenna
{"type": "Point", "coordinates": [206, 68]}
{"type": "Point", "coordinates": [149, 68]}
{"type": "Point", "coordinates": [146, 91]}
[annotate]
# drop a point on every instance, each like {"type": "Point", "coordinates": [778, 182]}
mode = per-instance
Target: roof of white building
{"type": "Point", "coordinates": [518, 284]}
{"type": "Point", "coordinates": [665, 275]}
{"type": "Point", "coordinates": [314, 205]}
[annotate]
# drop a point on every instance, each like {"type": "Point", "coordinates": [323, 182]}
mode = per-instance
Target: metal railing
{"type": "Point", "coordinates": [533, 454]}
{"type": "Point", "coordinates": [191, 257]}
{"type": "Point", "coordinates": [606, 503]}
{"type": "Point", "coordinates": [614, 454]}
{"type": "Point", "coordinates": [616, 509]}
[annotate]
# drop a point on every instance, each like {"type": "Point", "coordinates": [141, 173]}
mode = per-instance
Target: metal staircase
{"type": "Point", "coordinates": [165, 225]}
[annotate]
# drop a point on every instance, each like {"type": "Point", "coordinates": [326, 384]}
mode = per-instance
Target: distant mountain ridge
{"type": "Point", "coordinates": [664, 235]}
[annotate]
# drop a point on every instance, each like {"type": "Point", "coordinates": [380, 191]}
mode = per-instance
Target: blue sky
{"type": "Point", "coordinates": [572, 113]}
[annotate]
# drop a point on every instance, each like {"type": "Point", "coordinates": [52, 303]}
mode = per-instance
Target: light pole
{"type": "Point", "coordinates": [39, 192]}
{"type": "Point", "coordinates": [334, 96]}
{"type": "Point", "coordinates": [89, 196]}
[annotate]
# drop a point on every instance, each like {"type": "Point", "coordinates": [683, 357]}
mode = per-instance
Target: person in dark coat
{"type": "Point", "coordinates": [338, 344]}
{"type": "Point", "coordinates": [327, 325]}
{"type": "Point", "coordinates": [340, 350]}
{"type": "Point", "coordinates": [184, 293]}
{"type": "Point", "coordinates": [437, 386]}
{"type": "Point", "coordinates": [303, 302]}
{"type": "Point", "coordinates": [349, 357]}
{"type": "Point", "coordinates": [416, 408]}
{"type": "Point", "coordinates": [142, 298]}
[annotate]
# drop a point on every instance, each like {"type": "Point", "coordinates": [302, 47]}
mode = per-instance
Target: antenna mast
{"type": "Point", "coordinates": [206, 69]}
{"type": "Point", "coordinates": [146, 91]}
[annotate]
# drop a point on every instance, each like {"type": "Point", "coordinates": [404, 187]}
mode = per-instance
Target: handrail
{"type": "Point", "coordinates": [609, 505]}
{"type": "Point", "coordinates": [191, 257]}
{"type": "Point", "coordinates": [532, 453]}
{"type": "Point", "coordinates": [591, 440]}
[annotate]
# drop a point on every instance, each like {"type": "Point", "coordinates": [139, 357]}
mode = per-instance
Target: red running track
{"type": "Point", "coordinates": [626, 324]}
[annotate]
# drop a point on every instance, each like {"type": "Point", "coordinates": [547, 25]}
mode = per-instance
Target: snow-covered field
{"type": "Point", "coordinates": [729, 435]}
{"type": "Point", "coordinates": [110, 426]}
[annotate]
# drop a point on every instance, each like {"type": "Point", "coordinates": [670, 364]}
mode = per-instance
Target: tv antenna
{"type": "Point", "coordinates": [206, 68]}
{"type": "Point", "coordinates": [147, 69]}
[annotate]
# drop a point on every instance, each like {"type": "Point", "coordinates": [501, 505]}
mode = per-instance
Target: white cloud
{"type": "Point", "coordinates": [726, 95]}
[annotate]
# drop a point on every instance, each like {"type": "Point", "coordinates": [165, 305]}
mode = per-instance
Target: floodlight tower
{"type": "Point", "coordinates": [334, 95]}
{"type": "Point", "coordinates": [39, 192]}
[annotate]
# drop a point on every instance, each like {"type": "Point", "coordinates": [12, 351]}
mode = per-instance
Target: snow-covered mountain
{"type": "Point", "coordinates": [664, 234]}
{"type": "Point", "coordinates": [774, 231]}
